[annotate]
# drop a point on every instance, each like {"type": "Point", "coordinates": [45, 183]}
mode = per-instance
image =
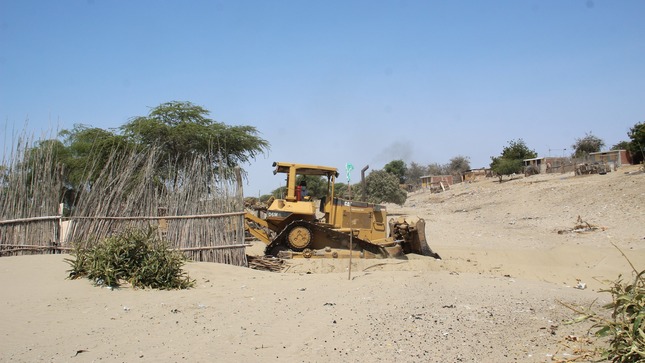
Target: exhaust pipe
{"type": "Point", "coordinates": [364, 196]}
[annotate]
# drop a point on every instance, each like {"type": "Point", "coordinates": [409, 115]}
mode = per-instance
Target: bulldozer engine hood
{"type": "Point", "coordinates": [358, 204]}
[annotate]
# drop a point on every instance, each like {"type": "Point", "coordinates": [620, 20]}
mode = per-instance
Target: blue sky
{"type": "Point", "coordinates": [331, 82]}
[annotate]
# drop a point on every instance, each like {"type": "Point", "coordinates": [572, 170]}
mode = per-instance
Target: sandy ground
{"type": "Point", "coordinates": [495, 297]}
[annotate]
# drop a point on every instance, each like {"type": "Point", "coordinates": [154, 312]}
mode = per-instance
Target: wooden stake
{"type": "Point", "coordinates": [351, 231]}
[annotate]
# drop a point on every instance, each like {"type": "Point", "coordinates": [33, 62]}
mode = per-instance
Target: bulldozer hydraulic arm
{"type": "Point", "coordinates": [257, 227]}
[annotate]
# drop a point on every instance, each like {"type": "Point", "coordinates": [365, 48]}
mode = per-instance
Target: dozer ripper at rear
{"type": "Point", "coordinates": [298, 226]}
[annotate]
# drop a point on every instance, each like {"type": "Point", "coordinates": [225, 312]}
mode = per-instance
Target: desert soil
{"type": "Point", "coordinates": [510, 263]}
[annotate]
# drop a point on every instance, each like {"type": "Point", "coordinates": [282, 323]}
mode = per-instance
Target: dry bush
{"type": "Point", "coordinates": [136, 257]}
{"type": "Point", "coordinates": [625, 330]}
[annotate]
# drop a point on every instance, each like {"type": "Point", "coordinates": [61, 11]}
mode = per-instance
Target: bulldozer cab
{"type": "Point", "coordinates": [296, 204]}
{"type": "Point", "coordinates": [294, 190]}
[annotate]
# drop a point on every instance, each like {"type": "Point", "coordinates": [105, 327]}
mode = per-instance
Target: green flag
{"type": "Point", "coordinates": [349, 167]}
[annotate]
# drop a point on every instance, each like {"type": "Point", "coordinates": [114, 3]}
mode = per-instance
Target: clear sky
{"type": "Point", "coordinates": [330, 82]}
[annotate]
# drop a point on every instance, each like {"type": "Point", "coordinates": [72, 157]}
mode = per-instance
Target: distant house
{"type": "Point", "coordinates": [435, 181]}
{"type": "Point", "coordinates": [616, 157]}
{"type": "Point", "coordinates": [546, 164]}
{"type": "Point", "coordinates": [477, 174]}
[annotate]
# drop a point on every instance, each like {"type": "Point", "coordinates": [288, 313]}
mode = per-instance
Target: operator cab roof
{"type": "Point", "coordinates": [304, 169]}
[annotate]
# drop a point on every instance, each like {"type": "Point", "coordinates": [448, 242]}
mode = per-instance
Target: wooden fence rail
{"type": "Point", "coordinates": [62, 245]}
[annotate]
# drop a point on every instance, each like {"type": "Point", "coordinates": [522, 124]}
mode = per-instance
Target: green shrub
{"type": "Point", "coordinates": [626, 328]}
{"type": "Point", "coordinates": [135, 256]}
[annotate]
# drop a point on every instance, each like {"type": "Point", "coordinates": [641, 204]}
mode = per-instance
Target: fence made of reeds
{"type": "Point", "coordinates": [30, 186]}
{"type": "Point", "coordinates": [197, 208]}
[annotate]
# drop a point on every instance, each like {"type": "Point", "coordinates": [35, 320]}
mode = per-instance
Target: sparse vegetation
{"type": "Point", "coordinates": [136, 257]}
{"type": "Point", "coordinates": [436, 169]}
{"type": "Point", "coordinates": [383, 187]}
{"type": "Point", "coordinates": [510, 161]}
{"type": "Point", "coordinates": [625, 329]}
{"type": "Point", "coordinates": [456, 167]}
{"type": "Point", "coordinates": [414, 174]}
{"type": "Point", "coordinates": [505, 166]}
{"type": "Point", "coordinates": [586, 145]}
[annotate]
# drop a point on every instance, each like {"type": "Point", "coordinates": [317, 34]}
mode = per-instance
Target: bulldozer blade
{"type": "Point", "coordinates": [411, 234]}
{"type": "Point", "coordinates": [394, 251]}
{"type": "Point", "coordinates": [419, 244]}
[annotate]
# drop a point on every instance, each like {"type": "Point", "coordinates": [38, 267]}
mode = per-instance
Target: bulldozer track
{"type": "Point", "coordinates": [281, 239]}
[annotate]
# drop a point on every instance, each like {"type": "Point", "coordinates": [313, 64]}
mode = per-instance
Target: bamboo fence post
{"type": "Point", "coordinates": [351, 231]}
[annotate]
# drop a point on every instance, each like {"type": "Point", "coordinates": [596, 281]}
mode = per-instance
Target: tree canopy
{"type": "Point", "coordinates": [504, 166]}
{"type": "Point", "coordinates": [517, 150]}
{"type": "Point", "coordinates": [383, 187]}
{"type": "Point", "coordinates": [85, 150]}
{"type": "Point", "coordinates": [177, 131]}
{"type": "Point", "coordinates": [586, 145]}
{"type": "Point", "coordinates": [183, 129]}
{"type": "Point", "coordinates": [511, 159]}
{"type": "Point", "coordinates": [621, 145]}
{"type": "Point", "coordinates": [637, 143]}
{"type": "Point", "coordinates": [397, 168]}
{"type": "Point", "coordinates": [415, 172]}
{"type": "Point", "coordinates": [459, 164]}
{"type": "Point", "coordinates": [436, 169]}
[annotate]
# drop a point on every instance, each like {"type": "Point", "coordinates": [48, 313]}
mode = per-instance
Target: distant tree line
{"type": "Point", "coordinates": [391, 183]}
{"type": "Point", "coordinates": [184, 131]}
{"type": "Point", "coordinates": [511, 159]}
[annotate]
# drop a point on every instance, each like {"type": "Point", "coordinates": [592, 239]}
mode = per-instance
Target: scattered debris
{"type": "Point", "coordinates": [635, 172]}
{"type": "Point", "coordinates": [581, 227]}
{"type": "Point", "coordinates": [596, 168]}
{"type": "Point", "coordinates": [265, 263]}
{"type": "Point", "coordinates": [79, 352]}
{"type": "Point", "coordinates": [553, 329]}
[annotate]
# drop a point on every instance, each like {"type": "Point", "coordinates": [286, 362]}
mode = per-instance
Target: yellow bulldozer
{"type": "Point", "coordinates": [299, 226]}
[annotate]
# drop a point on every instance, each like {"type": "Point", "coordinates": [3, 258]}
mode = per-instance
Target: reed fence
{"type": "Point", "coordinates": [197, 208]}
